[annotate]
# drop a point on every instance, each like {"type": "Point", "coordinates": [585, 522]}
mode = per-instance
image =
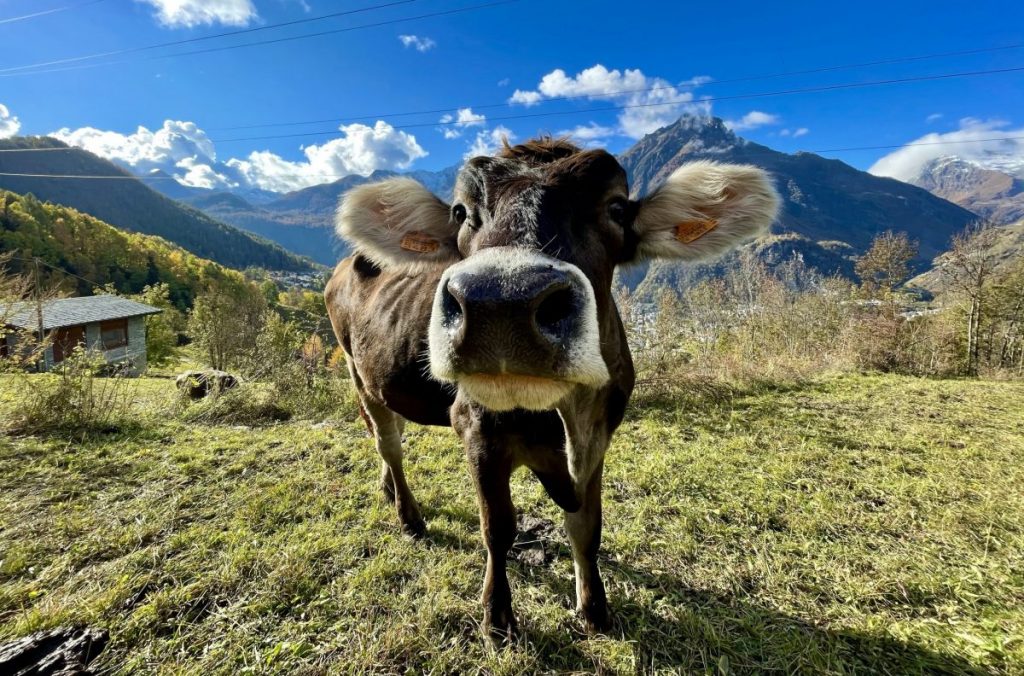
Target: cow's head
{"type": "Point", "coordinates": [523, 310]}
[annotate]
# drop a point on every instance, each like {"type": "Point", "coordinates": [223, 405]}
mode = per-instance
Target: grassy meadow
{"type": "Point", "coordinates": [852, 524]}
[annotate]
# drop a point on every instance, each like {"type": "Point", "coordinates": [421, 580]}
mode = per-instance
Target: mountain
{"type": "Point", "coordinates": [824, 201]}
{"type": "Point", "coordinates": [127, 203]}
{"type": "Point", "coordinates": [1008, 247]}
{"type": "Point", "coordinates": [90, 253]}
{"type": "Point", "coordinates": [304, 235]}
{"type": "Point", "coordinates": [303, 221]}
{"type": "Point", "coordinates": [989, 193]}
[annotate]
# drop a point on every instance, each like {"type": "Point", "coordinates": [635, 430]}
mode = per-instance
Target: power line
{"type": "Point", "coordinates": [458, 10]}
{"type": "Point", "coordinates": [39, 261]}
{"type": "Point", "coordinates": [620, 92]}
{"type": "Point", "coordinates": [174, 43]}
{"type": "Point", "coordinates": [827, 150]}
{"type": "Point", "coordinates": [45, 12]}
{"type": "Point", "coordinates": [38, 150]}
{"type": "Point", "coordinates": [734, 97]}
{"type": "Point", "coordinates": [114, 177]}
{"type": "Point", "coordinates": [786, 92]}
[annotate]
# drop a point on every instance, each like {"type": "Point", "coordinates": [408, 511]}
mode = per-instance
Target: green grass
{"type": "Point", "coordinates": [858, 524]}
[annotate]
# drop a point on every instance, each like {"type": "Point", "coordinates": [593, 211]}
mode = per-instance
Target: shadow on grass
{"type": "Point", "coordinates": [704, 631]}
{"type": "Point", "coordinates": [682, 630]}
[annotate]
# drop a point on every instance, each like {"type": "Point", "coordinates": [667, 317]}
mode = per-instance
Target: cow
{"type": "Point", "coordinates": [494, 315]}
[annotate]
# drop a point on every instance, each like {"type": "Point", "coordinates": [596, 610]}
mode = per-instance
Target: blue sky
{"type": "Point", "coordinates": [462, 61]}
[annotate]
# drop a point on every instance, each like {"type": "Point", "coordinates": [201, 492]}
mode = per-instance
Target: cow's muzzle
{"type": "Point", "coordinates": [515, 329]}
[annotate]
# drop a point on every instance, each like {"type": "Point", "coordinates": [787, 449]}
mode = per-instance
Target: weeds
{"type": "Point", "coordinates": [251, 404]}
{"type": "Point", "coordinates": [82, 397]}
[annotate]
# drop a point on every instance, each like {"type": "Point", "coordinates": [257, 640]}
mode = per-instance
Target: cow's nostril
{"type": "Point", "coordinates": [554, 310]}
{"type": "Point", "coordinates": [451, 306]}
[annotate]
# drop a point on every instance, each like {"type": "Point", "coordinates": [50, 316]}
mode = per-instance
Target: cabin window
{"type": "Point", "coordinates": [114, 334]}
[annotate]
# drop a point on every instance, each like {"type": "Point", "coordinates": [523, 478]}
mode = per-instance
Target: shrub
{"type": "Point", "coordinates": [76, 400]}
{"type": "Point", "coordinates": [247, 404]}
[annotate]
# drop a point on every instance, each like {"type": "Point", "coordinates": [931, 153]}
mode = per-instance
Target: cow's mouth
{"type": "Point", "coordinates": [507, 391]}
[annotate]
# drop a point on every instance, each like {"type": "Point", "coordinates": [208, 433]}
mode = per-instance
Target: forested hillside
{"type": "Point", "coordinates": [126, 203]}
{"type": "Point", "coordinates": [92, 250]}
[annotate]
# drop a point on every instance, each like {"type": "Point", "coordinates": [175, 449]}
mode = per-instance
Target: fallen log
{"type": "Point", "coordinates": [63, 651]}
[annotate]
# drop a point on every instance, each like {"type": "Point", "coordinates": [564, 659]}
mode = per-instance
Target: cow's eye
{"type": "Point", "coordinates": [459, 214]}
{"type": "Point", "coordinates": [617, 211]}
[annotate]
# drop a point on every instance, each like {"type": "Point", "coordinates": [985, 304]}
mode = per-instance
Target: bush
{"type": "Point", "coordinates": [250, 404]}
{"type": "Point", "coordinates": [77, 400]}
{"type": "Point", "coordinates": [286, 374]}
{"type": "Point", "coordinates": [758, 325]}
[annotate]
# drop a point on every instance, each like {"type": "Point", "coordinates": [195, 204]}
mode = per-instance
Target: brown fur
{"type": "Point", "coordinates": [549, 195]}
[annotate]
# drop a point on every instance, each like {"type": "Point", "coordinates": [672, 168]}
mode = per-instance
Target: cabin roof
{"type": "Point", "coordinates": [64, 312]}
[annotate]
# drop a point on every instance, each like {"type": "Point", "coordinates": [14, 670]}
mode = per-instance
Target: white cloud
{"type": "Point", "coordinates": [526, 98]}
{"type": "Point", "coordinates": [934, 117]}
{"type": "Point", "coordinates": [1007, 156]}
{"type": "Point", "coordinates": [753, 120]}
{"type": "Point", "coordinates": [795, 133]}
{"type": "Point", "coordinates": [9, 124]}
{"type": "Point", "coordinates": [191, 13]}
{"type": "Point", "coordinates": [649, 102]}
{"type": "Point", "coordinates": [488, 141]}
{"type": "Point", "coordinates": [588, 133]}
{"type": "Point", "coordinates": [420, 44]}
{"type": "Point", "coordinates": [697, 81]}
{"type": "Point", "coordinates": [504, 82]}
{"type": "Point", "coordinates": [184, 151]}
{"type": "Point", "coordinates": [181, 149]}
{"type": "Point", "coordinates": [464, 117]}
{"type": "Point", "coordinates": [360, 150]}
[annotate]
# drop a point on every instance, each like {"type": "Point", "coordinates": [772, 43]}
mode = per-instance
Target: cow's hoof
{"type": "Point", "coordinates": [500, 628]}
{"type": "Point", "coordinates": [415, 528]}
{"type": "Point", "coordinates": [597, 622]}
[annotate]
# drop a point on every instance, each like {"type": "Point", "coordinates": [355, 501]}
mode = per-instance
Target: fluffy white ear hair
{"type": "Point", "coordinates": [397, 221]}
{"type": "Point", "coordinates": [705, 209]}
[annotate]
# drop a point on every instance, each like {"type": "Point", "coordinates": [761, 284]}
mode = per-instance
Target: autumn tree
{"type": "Point", "coordinates": [161, 329]}
{"type": "Point", "coordinates": [1007, 350]}
{"type": "Point", "coordinates": [225, 324]}
{"type": "Point", "coordinates": [19, 349]}
{"type": "Point", "coordinates": [886, 264]}
{"type": "Point", "coordinates": [968, 269]}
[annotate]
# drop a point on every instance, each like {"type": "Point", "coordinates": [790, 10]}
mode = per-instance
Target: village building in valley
{"type": "Point", "coordinates": [107, 325]}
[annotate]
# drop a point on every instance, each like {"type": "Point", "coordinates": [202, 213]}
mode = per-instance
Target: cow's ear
{"type": "Point", "coordinates": [397, 221]}
{"type": "Point", "coordinates": [705, 209]}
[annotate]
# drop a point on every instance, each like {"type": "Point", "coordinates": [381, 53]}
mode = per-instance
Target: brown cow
{"type": "Point", "coordinates": [495, 315]}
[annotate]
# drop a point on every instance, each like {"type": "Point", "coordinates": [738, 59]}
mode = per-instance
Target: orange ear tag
{"type": "Point", "coordinates": [419, 242]}
{"type": "Point", "coordinates": [691, 231]}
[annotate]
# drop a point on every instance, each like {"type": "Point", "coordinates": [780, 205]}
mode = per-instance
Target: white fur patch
{"type": "Point", "coordinates": [397, 221]}
{"type": "Point", "coordinates": [511, 392]}
{"type": "Point", "coordinates": [705, 209]}
{"type": "Point", "coordinates": [586, 365]}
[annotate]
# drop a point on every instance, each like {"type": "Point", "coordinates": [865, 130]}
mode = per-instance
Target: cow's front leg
{"type": "Point", "coordinates": [491, 468]}
{"type": "Point", "coordinates": [584, 530]}
{"type": "Point", "coordinates": [387, 430]}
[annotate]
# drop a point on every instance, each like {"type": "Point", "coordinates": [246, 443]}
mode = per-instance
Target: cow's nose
{"type": "Point", "coordinates": [520, 320]}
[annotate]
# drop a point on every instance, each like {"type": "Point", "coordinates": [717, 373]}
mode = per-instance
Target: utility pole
{"type": "Point", "coordinates": [38, 292]}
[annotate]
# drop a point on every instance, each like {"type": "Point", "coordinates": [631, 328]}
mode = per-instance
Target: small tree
{"type": "Point", "coordinates": [886, 264]}
{"type": "Point", "coordinates": [225, 324]}
{"type": "Point", "coordinates": [968, 269]}
{"type": "Point", "coordinates": [162, 329]}
{"type": "Point", "coordinates": [1008, 311]}
{"type": "Point", "coordinates": [29, 347]}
